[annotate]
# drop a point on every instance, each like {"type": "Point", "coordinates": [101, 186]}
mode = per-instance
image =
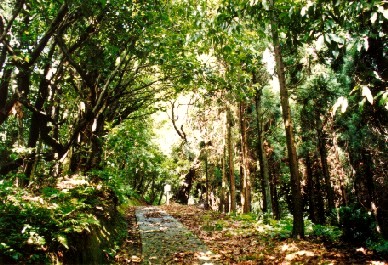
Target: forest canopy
{"type": "Point", "coordinates": [275, 107]}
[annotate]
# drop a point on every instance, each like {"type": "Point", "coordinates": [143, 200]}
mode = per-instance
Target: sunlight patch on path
{"type": "Point", "coordinates": [167, 241]}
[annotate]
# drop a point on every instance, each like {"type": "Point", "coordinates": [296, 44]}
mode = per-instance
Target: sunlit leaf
{"type": "Point", "coordinates": [365, 92]}
{"type": "Point", "coordinates": [63, 240]}
{"type": "Point", "coordinates": [341, 102]}
{"type": "Point", "coordinates": [320, 42]}
{"type": "Point", "coordinates": [366, 43]}
{"type": "Point", "coordinates": [385, 13]}
{"type": "Point", "coordinates": [373, 17]}
{"type": "Point", "coordinates": [265, 4]}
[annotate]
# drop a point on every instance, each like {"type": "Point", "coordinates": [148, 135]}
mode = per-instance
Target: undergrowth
{"type": "Point", "coordinates": [350, 221]}
{"type": "Point", "coordinates": [42, 226]}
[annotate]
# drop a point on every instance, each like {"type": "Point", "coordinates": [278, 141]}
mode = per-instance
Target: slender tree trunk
{"type": "Point", "coordinates": [310, 188]}
{"type": "Point", "coordinates": [221, 206]}
{"type": "Point", "coordinates": [325, 167]}
{"type": "Point", "coordinates": [224, 201]}
{"type": "Point", "coordinates": [207, 205]}
{"type": "Point", "coordinates": [232, 183]}
{"type": "Point", "coordinates": [243, 176]}
{"type": "Point", "coordinates": [339, 169]}
{"type": "Point", "coordinates": [319, 196]}
{"type": "Point", "coordinates": [298, 225]}
{"type": "Point", "coordinates": [372, 203]}
{"type": "Point", "coordinates": [263, 162]}
{"type": "Point", "coordinates": [274, 170]}
{"type": "Point", "coordinates": [57, 167]}
{"type": "Point", "coordinates": [224, 193]}
{"type": "Point", "coordinates": [224, 162]}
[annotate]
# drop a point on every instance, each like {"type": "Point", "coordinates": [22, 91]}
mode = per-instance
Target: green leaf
{"type": "Point", "coordinates": [63, 240]}
{"type": "Point", "coordinates": [227, 49]}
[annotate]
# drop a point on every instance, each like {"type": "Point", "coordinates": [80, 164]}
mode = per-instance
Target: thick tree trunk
{"type": "Point", "coordinates": [96, 143]}
{"type": "Point", "coordinates": [298, 225]}
{"type": "Point", "coordinates": [36, 126]}
{"type": "Point", "coordinates": [184, 191]}
{"type": "Point", "coordinates": [232, 184]}
{"type": "Point", "coordinates": [4, 87]}
{"type": "Point", "coordinates": [23, 80]}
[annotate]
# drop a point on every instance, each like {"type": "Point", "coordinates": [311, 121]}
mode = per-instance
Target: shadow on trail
{"type": "Point", "coordinates": [167, 241]}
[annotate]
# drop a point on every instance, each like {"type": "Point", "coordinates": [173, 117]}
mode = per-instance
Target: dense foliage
{"type": "Point", "coordinates": [279, 108]}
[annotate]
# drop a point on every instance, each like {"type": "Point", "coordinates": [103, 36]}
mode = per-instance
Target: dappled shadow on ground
{"type": "Point", "coordinates": [242, 242]}
{"type": "Point", "coordinates": [167, 241]}
{"type": "Point", "coordinates": [130, 250]}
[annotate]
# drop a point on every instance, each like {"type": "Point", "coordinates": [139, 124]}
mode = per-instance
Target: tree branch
{"type": "Point", "coordinates": [180, 132]}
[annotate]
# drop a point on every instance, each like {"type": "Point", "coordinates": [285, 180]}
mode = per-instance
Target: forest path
{"type": "Point", "coordinates": [166, 241]}
{"type": "Point", "coordinates": [155, 237]}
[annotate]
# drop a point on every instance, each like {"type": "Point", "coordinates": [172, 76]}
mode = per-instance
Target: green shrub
{"type": "Point", "coordinates": [380, 246]}
{"type": "Point", "coordinates": [25, 228]}
{"type": "Point", "coordinates": [357, 224]}
{"type": "Point", "coordinates": [35, 227]}
{"type": "Point", "coordinates": [331, 233]}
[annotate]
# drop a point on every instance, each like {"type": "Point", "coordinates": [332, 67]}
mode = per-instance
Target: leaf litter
{"type": "Point", "coordinates": [230, 240]}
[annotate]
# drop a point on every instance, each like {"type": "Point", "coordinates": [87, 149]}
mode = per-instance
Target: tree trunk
{"type": "Point", "coordinates": [310, 188]}
{"type": "Point", "coordinates": [232, 183]}
{"type": "Point", "coordinates": [96, 143]}
{"type": "Point", "coordinates": [319, 202]}
{"type": "Point", "coordinates": [339, 169]}
{"type": "Point", "coordinates": [207, 205]}
{"type": "Point", "coordinates": [221, 206]}
{"type": "Point", "coordinates": [37, 124]}
{"type": "Point", "coordinates": [4, 89]}
{"type": "Point", "coordinates": [243, 170]}
{"type": "Point", "coordinates": [224, 201]}
{"type": "Point", "coordinates": [274, 171]}
{"type": "Point", "coordinates": [325, 167]}
{"type": "Point", "coordinates": [298, 225]}
{"type": "Point", "coordinates": [224, 204]}
{"type": "Point", "coordinates": [263, 162]}
{"type": "Point", "coordinates": [184, 191]}
{"type": "Point", "coordinates": [57, 167]}
{"type": "Point", "coordinates": [23, 80]}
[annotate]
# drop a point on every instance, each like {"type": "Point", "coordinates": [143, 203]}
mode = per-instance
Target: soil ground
{"type": "Point", "coordinates": [238, 242]}
{"type": "Point", "coordinates": [166, 241]}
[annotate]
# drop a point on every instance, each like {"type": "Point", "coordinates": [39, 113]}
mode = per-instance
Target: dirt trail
{"type": "Point", "coordinates": [155, 237]}
{"type": "Point", "coordinates": [167, 241]}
